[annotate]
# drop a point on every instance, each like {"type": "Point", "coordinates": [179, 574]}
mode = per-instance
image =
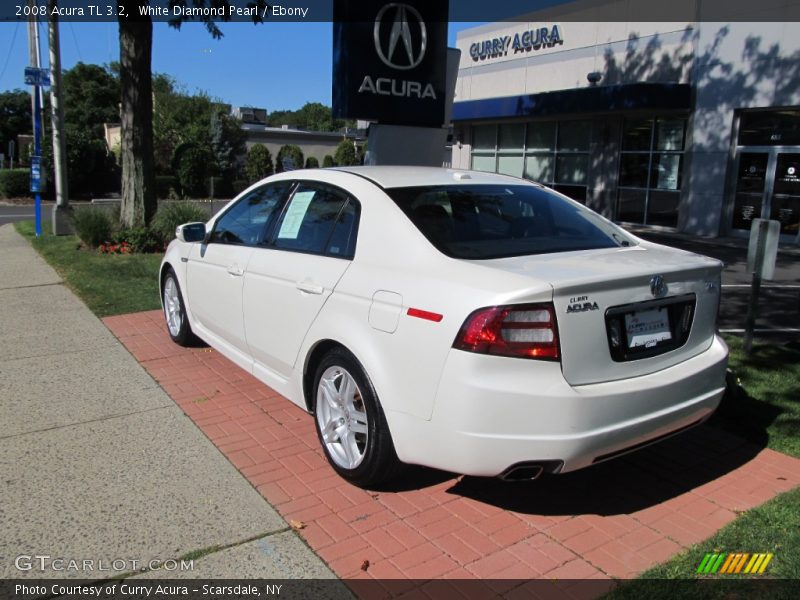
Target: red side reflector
{"type": "Point", "coordinates": [424, 314]}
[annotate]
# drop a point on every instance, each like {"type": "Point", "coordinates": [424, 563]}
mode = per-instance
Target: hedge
{"type": "Point", "coordinates": [15, 183]}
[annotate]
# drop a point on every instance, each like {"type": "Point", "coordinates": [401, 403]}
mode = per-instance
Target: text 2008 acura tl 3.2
{"type": "Point", "coordinates": [466, 321]}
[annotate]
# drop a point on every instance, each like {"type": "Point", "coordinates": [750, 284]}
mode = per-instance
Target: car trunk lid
{"type": "Point", "coordinates": [626, 312]}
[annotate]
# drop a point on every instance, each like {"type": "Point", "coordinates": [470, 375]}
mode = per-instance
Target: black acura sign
{"type": "Point", "coordinates": [389, 61]}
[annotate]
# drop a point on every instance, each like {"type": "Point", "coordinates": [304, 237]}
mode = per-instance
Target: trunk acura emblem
{"type": "Point", "coordinates": [657, 286]}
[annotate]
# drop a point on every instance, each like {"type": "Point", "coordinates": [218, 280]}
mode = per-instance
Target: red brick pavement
{"type": "Point", "coordinates": [613, 520]}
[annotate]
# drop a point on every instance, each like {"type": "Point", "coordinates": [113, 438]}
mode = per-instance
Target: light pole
{"type": "Point", "coordinates": [61, 224]}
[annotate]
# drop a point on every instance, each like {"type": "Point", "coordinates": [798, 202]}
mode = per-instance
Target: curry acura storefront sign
{"type": "Point", "coordinates": [531, 39]}
{"type": "Point", "coordinates": [389, 62]}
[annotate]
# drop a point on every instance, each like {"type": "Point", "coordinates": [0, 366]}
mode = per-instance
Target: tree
{"type": "Point", "coordinates": [227, 143]}
{"type": "Point", "coordinates": [327, 161]}
{"type": "Point", "coordinates": [312, 163]}
{"type": "Point", "coordinates": [291, 155]}
{"type": "Point", "coordinates": [135, 51]}
{"type": "Point", "coordinates": [346, 154]}
{"type": "Point", "coordinates": [258, 163]}
{"type": "Point", "coordinates": [91, 98]}
{"type": "Point", "coordinates": [15, 117]}
{"type": "Point", "coordinates": [139, 202]}
{"type": "Point", "coordinates": [313, 116]}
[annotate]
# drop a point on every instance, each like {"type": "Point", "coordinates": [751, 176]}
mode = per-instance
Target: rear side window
{"type": "Point", "coordinates": [496, 221]}
{"type": "Point", "coordinates": [247, 221]}
{"type": "Point", "coordinates": [318, 219]}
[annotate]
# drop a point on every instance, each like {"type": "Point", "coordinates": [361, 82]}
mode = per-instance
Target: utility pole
{"type": "Point", "coordinates": [33, 47]}
{"type": "Point", "coordinates": [60, 217]}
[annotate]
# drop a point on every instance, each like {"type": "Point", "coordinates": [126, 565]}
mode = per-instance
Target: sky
{"type": "Point", "coordinates": [275, 65]}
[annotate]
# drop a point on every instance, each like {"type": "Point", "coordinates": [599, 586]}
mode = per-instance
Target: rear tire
{"type": "Point", "coordinates": [175, 311]}
{"type": "Point", "coordinates": [350, 423]}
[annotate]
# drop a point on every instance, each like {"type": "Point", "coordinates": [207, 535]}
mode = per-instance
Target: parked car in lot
{"type": "Point", "coordinates": [466, 321]}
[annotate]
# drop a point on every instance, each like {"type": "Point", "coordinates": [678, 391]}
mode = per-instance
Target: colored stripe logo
{"type": "Point", "coordinates": [732, 563]}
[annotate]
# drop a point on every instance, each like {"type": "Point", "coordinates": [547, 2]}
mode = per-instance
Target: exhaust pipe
{"type": "Point", "coordinates": [522, 472]}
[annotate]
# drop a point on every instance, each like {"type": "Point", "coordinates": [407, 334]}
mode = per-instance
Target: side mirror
{"type": "Point", "coordinates": [191, 232]}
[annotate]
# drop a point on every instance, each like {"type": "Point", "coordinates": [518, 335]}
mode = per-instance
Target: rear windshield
{"type": "Point", "coordinates": [496, 221]}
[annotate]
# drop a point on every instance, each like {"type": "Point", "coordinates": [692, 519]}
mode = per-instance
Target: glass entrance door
{"type": "Point", "coordinates": [768, 187]}
{"type": "Point", "coordinates": [785, 198]}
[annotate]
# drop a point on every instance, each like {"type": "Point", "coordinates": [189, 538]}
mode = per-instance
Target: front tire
{"type": "Point", "coordinates": [175, 311]}
{"type": "Point", "coordinates": [350, 423]}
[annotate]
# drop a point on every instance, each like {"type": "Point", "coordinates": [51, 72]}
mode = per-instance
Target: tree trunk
{"type": "Point", "coordinates": [138, 175]}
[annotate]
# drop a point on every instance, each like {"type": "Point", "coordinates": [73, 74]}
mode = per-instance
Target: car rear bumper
{"type": "Point", "coordinates": [494, 412]}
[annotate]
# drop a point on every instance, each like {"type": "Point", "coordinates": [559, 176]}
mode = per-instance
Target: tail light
{"type": "Point", "coordinates": [519, 330]}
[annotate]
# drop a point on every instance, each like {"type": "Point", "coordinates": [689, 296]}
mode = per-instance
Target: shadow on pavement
{"type": "Point", "coordinates": [625, 485]}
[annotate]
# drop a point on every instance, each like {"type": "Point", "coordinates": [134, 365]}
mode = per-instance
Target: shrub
{"type": "Point", "coordinates": [289, 157]}
{"type": "Point", "coordinates": [220, 187]}
{"type": "Point", "coordinates": [312, 163]}
{"type": "Point", "coordinates": [193, 164]}
{"type": "Point", "coordinates": [258, 163]}
{"type": "Point", "coordinates": [239, 186]}
{"type": "Point", "coordinates": [93, 225]}
{"type": "Point", "coordinates": [166, 187]}
{"type": "Point", "coordinates": [346, 154]}
{"type": "Point", "coordinates": [15, 183]}
{"type": "Point", "coordinates": [328, 161]}
{"type": "Point", "coordinates": [172, 214]}
{"type": "Point", "coordinates": [140, 239]}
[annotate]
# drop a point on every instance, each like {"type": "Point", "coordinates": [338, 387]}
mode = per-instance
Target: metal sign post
{"type": "Point", "coordinates": [37, 78]}
{"type": "Point", "coordinates": [761, 254]}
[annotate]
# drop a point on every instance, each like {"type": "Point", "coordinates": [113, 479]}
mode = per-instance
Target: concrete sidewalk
{"type": "Point", "coordinates": [98, 464]}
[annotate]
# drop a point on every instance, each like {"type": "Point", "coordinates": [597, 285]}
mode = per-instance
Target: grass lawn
{"type": "Point", "coordinates": [109, 284]}
{"type": "Point", "coordinates": [764, 406]}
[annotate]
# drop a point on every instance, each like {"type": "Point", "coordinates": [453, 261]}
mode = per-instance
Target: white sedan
{"type": "Point", "coordinates": [466, 321]}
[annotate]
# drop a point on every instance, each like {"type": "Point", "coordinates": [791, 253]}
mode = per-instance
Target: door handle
{"type": "Point", "coordinates": [309, 287]}
{"type": "Point", "coordinates": [236, 270]}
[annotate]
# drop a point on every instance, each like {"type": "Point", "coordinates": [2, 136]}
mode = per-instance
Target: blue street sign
{"type": "Point", "coordinates": [36, 174]}
{"type": "Point", "coordinates": [34, 76]}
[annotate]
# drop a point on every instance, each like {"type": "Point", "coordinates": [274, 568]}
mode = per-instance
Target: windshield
{"type": "Point", "coordinates": [496, 221]}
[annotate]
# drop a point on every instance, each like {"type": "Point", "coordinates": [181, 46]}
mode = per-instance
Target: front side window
{"type": "Point", "coordinates": [318, 219]}
{"type": "Point", "coordinates": [247, 221]}
{"type": "Point", "coordinates": [496, 221]}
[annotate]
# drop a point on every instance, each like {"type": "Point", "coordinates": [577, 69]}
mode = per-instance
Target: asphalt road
{"type": "Point", "coordinates": [9, 213]}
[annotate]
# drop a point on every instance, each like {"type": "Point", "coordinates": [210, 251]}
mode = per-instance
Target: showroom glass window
{"type": "Point", "coordinates": [555, 153]}
{"type": "Point", "coordinates": [651, 170]}
{"type": "Point", "coordinates": [319, 219]}
{"type": "Point", "coordinates": [247, 221]}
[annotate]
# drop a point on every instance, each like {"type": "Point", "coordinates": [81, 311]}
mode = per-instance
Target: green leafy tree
{"type": "Point", "coordinates": [135, 52]}
{"type": "Point", "coordinates": [291, 154]}
{"type": "Point", "coordinates": [312, 163]}
{"type": "Point", "coordinates": [346, 154]}
{"type": "Point", "coordinates": [327, 161]}
{"type": "Point", "coordinates": [258, 163]}
{"type": "Point", "coordinates": [313, 116]}
{"type": "Point", "coordinates": [15, 118]}
{"type": "Point", "coordinates": [91, 98]}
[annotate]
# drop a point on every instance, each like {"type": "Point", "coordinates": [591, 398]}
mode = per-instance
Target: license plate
{"type": "Point", "coordinates": [647, 328]}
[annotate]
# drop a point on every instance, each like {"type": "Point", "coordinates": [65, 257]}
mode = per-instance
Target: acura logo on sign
{"type": "Point", "coordinates": [399, 34]}
{"type": "Point", "coordinates": [657, 286]}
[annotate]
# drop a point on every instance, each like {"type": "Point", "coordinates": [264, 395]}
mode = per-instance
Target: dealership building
{"type": "Point", "coordinates": [690, 126]}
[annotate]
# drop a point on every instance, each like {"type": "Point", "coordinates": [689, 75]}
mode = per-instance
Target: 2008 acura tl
{"type": "Point", "coordinates": [467, 321]}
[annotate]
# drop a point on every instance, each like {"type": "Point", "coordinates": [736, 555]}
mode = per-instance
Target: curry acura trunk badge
{"type": "Point", "coordinates": [581, 304]}
{"type": "Point", "coordinates": [657, 286]}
